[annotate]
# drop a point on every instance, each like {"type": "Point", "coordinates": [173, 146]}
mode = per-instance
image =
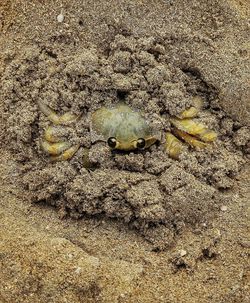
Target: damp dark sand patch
{"type": "Point", "coordinates": [147, 189]}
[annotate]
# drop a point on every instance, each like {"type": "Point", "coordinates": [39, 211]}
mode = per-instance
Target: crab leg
{"type": "Point", "coordinates": [194, 128]}
{"type": "Point", "coordinates": [55, 149]}
{"type": "Point", "coordinates": [60, 150]}
{"type": "Point", "coordinates": [173, 146]}
{"type": "Point", "coordinates": [193, 110]}
{"type": "Point", "coordinates": [54, 117]}
{"type": "Point", "coordinates": [68, 154]}
{"type": "Point", "coordinates": [52, 143]}
{"type": "Point", "coordinates": [51, 134]}
{"type": "Point", "coordinates": [190, 139]}
{"type": "Point", "coordinates": [189, 113]}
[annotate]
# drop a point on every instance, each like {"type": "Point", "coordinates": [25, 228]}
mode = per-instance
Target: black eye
{"type": "Point", "coordinates": [140, 143]}
{"type": "Point", "coordinates": [112, 142]}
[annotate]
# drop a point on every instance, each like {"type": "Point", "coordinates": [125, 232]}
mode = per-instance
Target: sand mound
{"type": "Point", "coordinates": [146, 189]}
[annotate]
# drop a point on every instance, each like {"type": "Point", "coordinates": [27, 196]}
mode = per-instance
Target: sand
{"type": "Point", "coordinates": [138, 226]}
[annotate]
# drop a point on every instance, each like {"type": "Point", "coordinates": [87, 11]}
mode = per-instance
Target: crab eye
{"type": "Point", "coordinates": [112, 142]}
{"type": "Point", "coordinates": [140, 143]}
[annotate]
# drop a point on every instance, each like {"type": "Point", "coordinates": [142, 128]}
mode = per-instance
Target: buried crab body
{"type": "Point", "coordinates": [125, 129]}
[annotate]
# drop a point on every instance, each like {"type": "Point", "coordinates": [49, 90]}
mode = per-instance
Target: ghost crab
{"type": "Point", "coordinates": [127, 130]}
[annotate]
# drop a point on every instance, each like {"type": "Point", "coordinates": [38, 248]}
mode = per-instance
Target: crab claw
{"type": "Point", "coordinates": [194, 128]}
{"type": "Point", "coordinates": [173, 146]}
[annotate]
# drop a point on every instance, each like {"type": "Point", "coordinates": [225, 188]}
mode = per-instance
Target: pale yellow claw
{"type": "Point", "coordinates": [194, 128]}
{"type": "Point", "coordinates": [68, 154]}
{"type": "Point", "coordinates": [192, 141]}
{"type": "Point", "coordinates": [52, 144]}
{"type": "Point", "coordinates": [59, 151]}
{"type": "Point", "coordinates": [189, 113]}
{"type": "Point", "coordinates": [193, 110]}
{"type": "Point", "coordinates": [50, 135]}
{"type": "Point", "coordinates": [55, 149]}
{"type": "Point", "coordinates": [208, 136]}
{"type": "Point", "coordinates": [196, 134]}
{"type": "Point", "coordinates": [67, 118]}
{"type": "Point", "coordinates": [173, 146]}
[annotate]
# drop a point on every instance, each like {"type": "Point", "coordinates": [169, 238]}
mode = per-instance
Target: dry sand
{"type": "Point", "coordinates": [136, 227]}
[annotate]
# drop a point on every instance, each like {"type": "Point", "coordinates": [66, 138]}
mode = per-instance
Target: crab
{"type": "Point", "coordinates": [127, 130]}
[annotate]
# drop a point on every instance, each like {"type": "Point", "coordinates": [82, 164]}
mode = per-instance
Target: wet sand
{"type": "Point", "coordinates": [136, 227]}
